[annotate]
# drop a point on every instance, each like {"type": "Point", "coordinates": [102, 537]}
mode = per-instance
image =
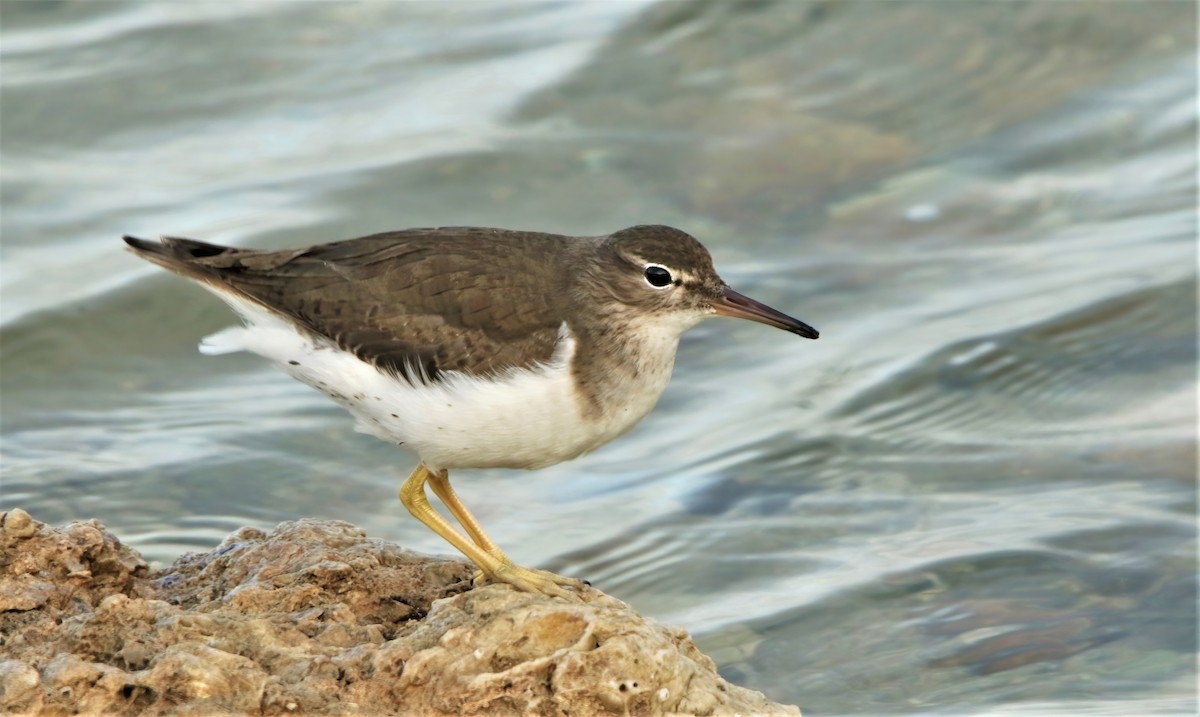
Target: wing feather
{"type": "Point", "coordinates": [414, 302]}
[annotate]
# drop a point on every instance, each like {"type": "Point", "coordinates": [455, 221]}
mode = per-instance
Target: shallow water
{"type": "Point", "coordinates": [976, 493]}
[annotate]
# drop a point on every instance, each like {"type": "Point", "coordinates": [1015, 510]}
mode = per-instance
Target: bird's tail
{"type": "Point", "coordinates": [175, 253]}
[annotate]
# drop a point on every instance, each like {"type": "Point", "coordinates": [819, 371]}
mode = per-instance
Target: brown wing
{"type": "Point", "coordinates": [419, 301]}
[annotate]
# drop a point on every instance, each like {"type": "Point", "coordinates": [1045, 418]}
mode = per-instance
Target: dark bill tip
{"type": "Point", "coordinates": [743, 307]}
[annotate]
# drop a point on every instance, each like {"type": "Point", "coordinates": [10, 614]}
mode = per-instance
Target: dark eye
{"type": "Point", "coordinates": [657, 276]}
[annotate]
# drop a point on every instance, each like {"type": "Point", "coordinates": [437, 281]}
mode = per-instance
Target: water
{"type": "Point", "coordinates": [975, 494]}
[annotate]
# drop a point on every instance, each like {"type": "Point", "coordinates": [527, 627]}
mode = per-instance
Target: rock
{"type": "Point", "coordinates": [19, 688]}
{"type": "Point", "coordinates": [316, 618]}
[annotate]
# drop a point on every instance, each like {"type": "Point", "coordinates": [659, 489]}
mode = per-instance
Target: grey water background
{"type": "Point", "coordinates": [976, 493]}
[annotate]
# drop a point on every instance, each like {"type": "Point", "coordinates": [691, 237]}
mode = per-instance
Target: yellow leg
{"type": "Point", "coordinates": [491, 561]}
{"type": "Point", "coordinates": [440, 482]}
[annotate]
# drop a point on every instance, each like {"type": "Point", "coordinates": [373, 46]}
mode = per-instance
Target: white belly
{"type": "Point", "coordinates": [519, 419]}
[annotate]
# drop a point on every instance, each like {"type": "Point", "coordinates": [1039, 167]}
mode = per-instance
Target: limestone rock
{"type": "Point", "coordinates": [316, 618]}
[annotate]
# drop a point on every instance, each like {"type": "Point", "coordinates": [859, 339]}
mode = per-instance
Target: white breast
{"type": "Point", "coordinates": [523, 418]}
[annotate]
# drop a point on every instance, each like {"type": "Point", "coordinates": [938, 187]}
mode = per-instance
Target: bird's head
{"type": "Point", "coordinates": [665, 275]}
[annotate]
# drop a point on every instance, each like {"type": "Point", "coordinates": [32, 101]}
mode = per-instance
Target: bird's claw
{"type": "Point", "coordinates": [534, 581]}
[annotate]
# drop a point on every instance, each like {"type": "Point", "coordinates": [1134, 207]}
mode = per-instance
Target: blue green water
{"type": "Point", "coordinates": [975, 494]}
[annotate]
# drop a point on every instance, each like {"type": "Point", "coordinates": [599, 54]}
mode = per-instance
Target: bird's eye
{"type": "Point", "coordinates": [657, 276]}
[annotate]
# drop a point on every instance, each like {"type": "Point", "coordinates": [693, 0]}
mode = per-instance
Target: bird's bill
{"type": "Point", "coordinates": [743, 307]}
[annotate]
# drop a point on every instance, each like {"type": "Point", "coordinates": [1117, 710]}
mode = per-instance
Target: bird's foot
{"type": "Point", "coordinates": [532, 580]}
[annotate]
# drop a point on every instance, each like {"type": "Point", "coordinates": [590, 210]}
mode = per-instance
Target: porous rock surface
{"type": "Point", "coordinates": [316, 618]}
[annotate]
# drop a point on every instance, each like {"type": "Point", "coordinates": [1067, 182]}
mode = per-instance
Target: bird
{"type": "Point", "coordinates": [473, 347]}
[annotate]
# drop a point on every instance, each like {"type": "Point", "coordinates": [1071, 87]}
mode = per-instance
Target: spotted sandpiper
{"type": "Point", "coordinates": [473, 347]}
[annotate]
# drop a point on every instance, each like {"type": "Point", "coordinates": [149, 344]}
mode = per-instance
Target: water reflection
{"type": "Point", "coordinates": [977, 489]}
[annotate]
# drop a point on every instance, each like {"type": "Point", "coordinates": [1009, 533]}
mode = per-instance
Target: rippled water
{"type": "Point", "coordinates": [976, 493]}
